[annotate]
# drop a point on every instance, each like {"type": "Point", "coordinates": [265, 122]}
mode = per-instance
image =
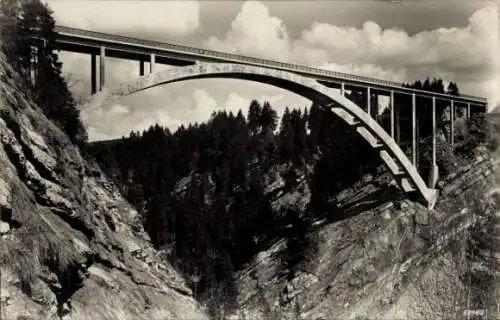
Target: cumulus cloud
{"type": "Point", "coordinates": [468, 48]}
{"type": "Point", "coordinates": [368, 70]}
{"type": "Point", "coordinates": [466, 55]}
{"type": "Point", "coordinates": [254, 32]}
{"type": "Point", "coordinates": [174, 18]}
{"type": "Point", "coordinates": [236, 102]}
{"type": "Point", "coordinates": [140, 111]}
{"type": "Point", "coordinates": [173, 106]}
{"type": "Point", "coordinates": [119, 109]}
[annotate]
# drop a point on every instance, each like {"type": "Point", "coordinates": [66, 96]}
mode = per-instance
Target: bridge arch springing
{"type": "Point", "coordinates": [399, 165]}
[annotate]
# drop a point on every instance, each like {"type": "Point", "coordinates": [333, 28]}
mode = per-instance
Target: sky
{"type": "Point", "coordinates": [393, 40]}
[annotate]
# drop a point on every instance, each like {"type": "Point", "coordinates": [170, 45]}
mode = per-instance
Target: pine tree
{"type": "Point", "coordinates": [268, 118]}
{"type": "Point", "coordinates": [286, 147]}
{"type": "Point", "coordinates": [452, 89]}
{"type": "Point", "coordinates": [299, 137]}
{"type": "Point", "coordinates": [30, 22]}
{"type": "Point", "coordinates": [418, 85]}
{"type": "Point", "coordinates": [254, 114]}
{"type": "Point", "coordinates": [313, 124]}
{"type": "Point", "coordinates": [426, 85]}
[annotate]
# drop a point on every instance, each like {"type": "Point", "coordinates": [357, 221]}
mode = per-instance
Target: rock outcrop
{"type": "Point", "coordinates": [71, 247]}
{"type": "Point", "coordinates": [387, 257]}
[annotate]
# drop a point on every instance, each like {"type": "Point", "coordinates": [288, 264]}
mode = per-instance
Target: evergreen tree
{"type": "Point", "coordinates": [418, 85]}
{"type": "Point", "coordinates": [313, 124]}
{"type": "Point", "coordinates": [437, 86]}
{"type": "Point", "coordinates": [299, 137]}
{"type": "Point", "coordinates": [426, 85]}
{"type": "Point", "coordinates": [254, 115]}
{"type": "Point", "coordinates": [268, 118]}
{"type": "Point", "coordinates": [286, 147]}
{"type": "Point", "coordinates": [452, 89]}
{"type": "Point", "coordinates": [29, 31]}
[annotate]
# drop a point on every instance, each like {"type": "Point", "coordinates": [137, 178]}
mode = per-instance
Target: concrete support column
{"type": "Point", "coordinates": [368, 101]}
{"type": "Point", "coordinates": [93, 73]}
{"type": "Point", "coordinates": [397, 121]}
{"type": "Point", "coordinates": [391, 106]}
{"type": "Point", "coordinates": [414, 129]}
{"type": "Point", "coordinates": [468, 110]}
{"type": "Point", "coordinates": [452, 123]}
{"type": "Point", "coordinates": [434, 174]}
{"type": "Point", "coordinates": [152, 63]}
{"type": "Point", "coordinates": [102, 71]}
{"type": "Point", "coordinates": [141, 68]}
{"type": "Point", "coordinates": [342, 89]}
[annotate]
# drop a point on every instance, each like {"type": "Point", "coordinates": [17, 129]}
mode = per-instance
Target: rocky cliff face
{"type": "Point", "coordinates": [387, 258]}
{"type": "Point", "coordinates": [71, 247]}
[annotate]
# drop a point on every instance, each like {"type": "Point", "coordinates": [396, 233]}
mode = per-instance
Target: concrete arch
{"type": "Point", "coordinates": [391, 154]}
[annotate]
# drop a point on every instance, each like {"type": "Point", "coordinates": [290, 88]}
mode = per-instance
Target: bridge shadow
{"type": "Point", "coordinates": [350, 209]}
{"type": "Point", "coordinates": [300, 230]}
{"type": "Point", "coordinates": [369, 201]}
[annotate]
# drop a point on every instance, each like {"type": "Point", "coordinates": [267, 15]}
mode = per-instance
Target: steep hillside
{"type": "Point", "coordinates": [71, 247]}
{"type": "Point", "coordinates": [295, 225]}
{"type": "Point", "coordinates": [387, 258]}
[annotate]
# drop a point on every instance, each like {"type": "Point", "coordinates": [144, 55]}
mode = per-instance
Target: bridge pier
{"type": "Point", "coordinates": [152, 63]}
{"type": "Point", "coordinates": [102, 72]}
{"type": "Point", "coordinates": [397, 121]}
{"type": "Point", "coordinates": [391, 108]}
{"type": "Point", "coordinates": [368, 101]}
{"type": "Point", "coordinates": [468, 110]}
{"type": "Point", "coordinates": [141, 68]}
{"type": "Point", "coordinates": [434, 172]}
{"type": "Point", "coordinates": [414, 129]}
{"type": "Point", "coordinates": [342, 89]}
{"type": "Point", "coordinates": [93, 73]}
{"type": "Point", "coordinates": [452, 123]}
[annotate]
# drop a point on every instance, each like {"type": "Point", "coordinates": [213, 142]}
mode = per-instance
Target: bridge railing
{"type": "Point", "coordinates": [258, 61]}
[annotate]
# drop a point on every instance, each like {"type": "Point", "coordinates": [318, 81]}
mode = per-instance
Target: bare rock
{"type": "Point", "coordinates": [4, 227]}
{"type": "Point", "coordinates": [298, 285]}
{"type": "Point", "coordinates": [77, 235]}
{"type": "Point", "coordinates": [422, 217]}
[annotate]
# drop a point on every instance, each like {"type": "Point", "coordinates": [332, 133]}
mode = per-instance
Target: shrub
{"type": "Point", "coordinates": [479, 130]}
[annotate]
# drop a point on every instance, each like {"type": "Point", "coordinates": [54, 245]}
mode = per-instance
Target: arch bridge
{"type": "Point", "coordinates": [325, 88]}
{"type": "Point", "coordinates": [402, 169]}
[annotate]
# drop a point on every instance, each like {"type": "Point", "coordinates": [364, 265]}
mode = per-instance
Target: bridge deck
{"type": "Point", "coordinates": [84, 41]}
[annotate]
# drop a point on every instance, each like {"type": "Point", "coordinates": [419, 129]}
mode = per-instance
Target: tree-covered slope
{"type": "Point", "coordinates": [214, 194]}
